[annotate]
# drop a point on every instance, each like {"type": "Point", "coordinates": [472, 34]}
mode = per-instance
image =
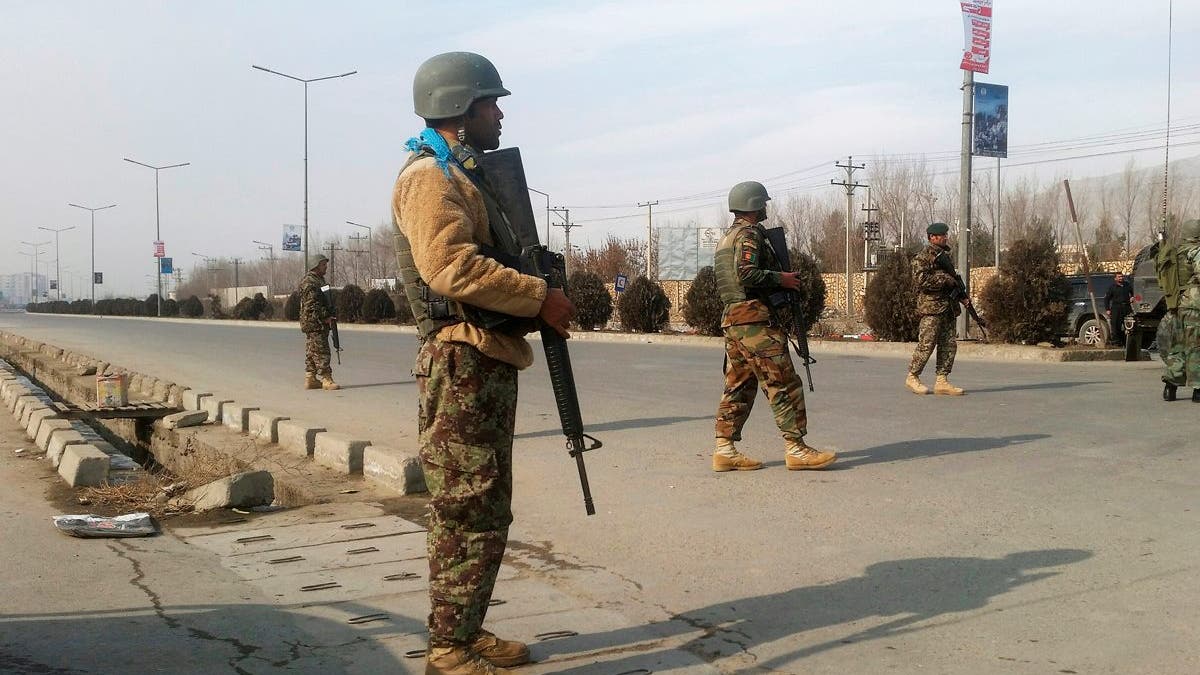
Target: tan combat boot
{"type": "Point", "coordinates": [328, 384]}
{"type": "Point", "coordinates": [914, 385]}
{"type": "Point", "coordinates": [727, 458]}
{"type": "Point", "coordinates": [943, 387]}
{"type": "Point", "coordinates": [458, 661]}
{"type": "Point", "coordinates": [801, 457]}
{"type": "Point", "coordinates": [504, 653]}
{"type": "Point", "coordinates": [311, 381]}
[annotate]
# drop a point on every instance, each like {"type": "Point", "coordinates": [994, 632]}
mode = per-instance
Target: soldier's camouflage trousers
{"type": "Point", "coordinates": [936, 331]}
{"type": "Point", "coordinates": [316, 353]}
{"type": "Point", "coordinates": [757, 355]}
{"type": "Point", "coordinates": [1182, 357]}
{"type": "Point", "coordinates": [468, 405]}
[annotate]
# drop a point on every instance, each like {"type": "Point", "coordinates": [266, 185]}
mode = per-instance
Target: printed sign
{"type": "Point", "coordinates": [619, 284]}
{"type": "Point", "coordinates": [708, 237]}
{"type": "Point", "coordinates": [977, 35]}
{"type": "Point", "coordinates": [98, 278]}
{"type": "Point", "coordinates": [160, 249]}
{"type": "Point", "coordinates": [166, 265]}
{"type": "Point", "coordinates": [54, 284]}
{"type": "Point", "coordinates": [990, 135]}
{"type": "Point", "coordinates": [291, 238]}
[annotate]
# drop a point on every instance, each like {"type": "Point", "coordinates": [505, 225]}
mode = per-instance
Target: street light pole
{"type": "Point", "coordinates": [93, 211]}
{"type": "Point", "coordinates": [57, 257]}
{"type": "Point", "coordinates": [305, 81]}
{"type": "Point", "coordinates": [157, 227]}
{"type": "Point", "coordinates": [35, 246]}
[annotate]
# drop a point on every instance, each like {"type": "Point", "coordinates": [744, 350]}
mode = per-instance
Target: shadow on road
{"type": "Point", "coordinates": [1035, 387]}
{"type": "Point", "coordinates": [202, 639]}
{"type": "Point", "coordinates": [930, 447]}
{"type": "Point", "coordinates": [620, 425]}
{"type": "Point", "coordinates": [889, 599]}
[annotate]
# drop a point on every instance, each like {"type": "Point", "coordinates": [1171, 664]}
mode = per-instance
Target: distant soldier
{"type": "Point", "coordinates": [1178, 270]}
{"type": "Point", "coordinates": [756, 347]}
{"type": "Point", "coordinates": [316, 316]}
{"type": "Point", "coordinates": [937, 309]}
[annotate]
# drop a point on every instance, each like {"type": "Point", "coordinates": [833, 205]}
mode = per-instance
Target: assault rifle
{"type": "Point", "coordinates": [336, 339]}
{"type": "Point", "coordinates": [777, 240]}
{"type": "Point", "coordinates": [959, 292]}
{"type": "Point", "coordinates": [505, 179]}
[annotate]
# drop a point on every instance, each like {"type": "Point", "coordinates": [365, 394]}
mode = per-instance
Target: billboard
{"type": "Point", "coordinates": [682, 251]}
{"type": "Point", "coordinates": [166, 265]}
{"type": "Point", "coordinates": [160, 249]}
{"type": "Point", "coordinates": [989, 137]}
{"type": "Point", "coordinates": [977, 35]}
{"type": "Point", "coordinates": [291, 238]}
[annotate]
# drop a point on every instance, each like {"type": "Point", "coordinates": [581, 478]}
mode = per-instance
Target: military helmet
{"type": "Point", "coordinates": [320, 258]}
{"type": "Point", "coordinates": [937, 229]}
{"type": "Point", "coordinates": [447, 84]}
{"type": "Point", "coordinates": [749, 196]}
{"type": "Point", "coordinates": [1190, 229]}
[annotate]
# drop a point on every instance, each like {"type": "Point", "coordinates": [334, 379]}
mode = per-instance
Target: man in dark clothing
{"type": "Point", "coordinates": [1118, 302]}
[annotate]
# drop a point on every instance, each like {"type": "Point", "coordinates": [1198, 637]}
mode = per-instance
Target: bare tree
{"type": "Point", "coordinates": [1131, 188]}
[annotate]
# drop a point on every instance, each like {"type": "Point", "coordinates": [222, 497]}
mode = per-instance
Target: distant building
{"type": "Point", "coordinates": [16, 287]}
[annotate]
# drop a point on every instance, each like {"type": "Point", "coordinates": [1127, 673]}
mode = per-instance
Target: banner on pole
{"type": "Point", "coordinates": [977, 35]}
{"type": "Point", "coordinates": [990, 137]}
{"type": "Point", "coordinates": [54, 284]}
{"type": "Point", "coordinates": [98, 278]}
{"type": "Point", "coordinates": [160, 249]}
{"type": "Point", "coordinates": [291, 238]}
{"type": "Point", "coordinates": [166, 265]}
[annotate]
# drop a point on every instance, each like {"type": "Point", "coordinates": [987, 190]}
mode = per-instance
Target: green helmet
{"type": "Point", "coordinates": [749, 196]}
{"type": "Point", "coordinates": [314, 262]}
{"type": "Point", "coordinates": [447, 84]}
{"type": "Point", "coordinates": [1190, 229]}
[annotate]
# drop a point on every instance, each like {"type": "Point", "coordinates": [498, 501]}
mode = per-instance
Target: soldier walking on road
{"type": "Point", "coordinates": [316, 316]}
{"type": "Point", "coordinates": [756, 347]}
{"type": "Point", "coordinates": [447, 224]}
{"type": "Point", "coordinates": [1178, 270]}
{"type": "Point", "coordinates": [938, 310]}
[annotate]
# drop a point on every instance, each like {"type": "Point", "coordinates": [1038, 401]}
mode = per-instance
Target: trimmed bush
{"type": "Point", "coordinates": [252, 309]}
{"type": "Point", "coordinates": [1027, 302]}
{"type": "Point", "coordinates": [214, 307]}
{"type": "Point", "coordinates": [170, 307]}
{"type": "Point", "coordinates": [192, 307]}
{"type": "Point", "coordinates": [377, 306]}
{"type": "Point", "coordinates": [404, 313]}
{"type": "Point", "coordinates": [291, 309]}
{"type": "Point", "coordinates": [266, 310]}
{"type": "Point", "coordinates": [644, 307]}
{"type": "Point", "coordinates": [151, 306]}
{"type": "Point", "coordinates": [702, 306]}
{"type": "Point", "coordinates": [891, 300]}
{"type": "Point", "coordinates": [348, 302]}
{"type": "Point", "coordinates": [593, 304]}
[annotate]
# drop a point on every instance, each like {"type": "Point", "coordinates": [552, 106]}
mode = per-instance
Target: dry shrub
{"type": "Point", "coordinates": [1027, 302]}
{"type": "Point", "coordinates": [593, 304]}
{"type": "Point", "coordinates": [891, 301]}
{"type": "Point", "coordinates": [702, 306]}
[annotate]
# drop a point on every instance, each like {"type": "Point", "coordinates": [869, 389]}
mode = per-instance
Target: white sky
{"type": "Point", "coordinates": [613, 103]}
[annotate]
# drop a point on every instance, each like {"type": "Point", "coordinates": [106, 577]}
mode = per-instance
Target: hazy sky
{"type": "Point", "coordinates": [613, 103]}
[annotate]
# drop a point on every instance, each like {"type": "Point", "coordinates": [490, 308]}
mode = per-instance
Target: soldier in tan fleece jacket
{"type": "Point", "coordinates": [472, 315]}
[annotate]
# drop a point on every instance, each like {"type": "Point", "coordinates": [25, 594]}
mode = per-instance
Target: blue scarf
{"type": "Point", "coordinates": [431, 140]}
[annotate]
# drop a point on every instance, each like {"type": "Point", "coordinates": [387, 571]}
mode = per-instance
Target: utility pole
{"type": "Point", "coordinates": [237, 262]}
{"type": "Point", "coordinates": [561, 212]}
{"type": "Point", "coordinates": [849, 185]}
{"type": "Point", "coordinates": [331, 247]}
{"type": "Point", "coordinates": [566, 225]}
{"type": "Point", "coordinates": [357, 252]}
{"type": "Point", "coordinates": [270, 249]}
{"type": "Point", "coordinates": [370, 247]}
{"type": "Point", "coordinates": [649, 232]}
{"type": "Point", "coordinates": [964, 191]}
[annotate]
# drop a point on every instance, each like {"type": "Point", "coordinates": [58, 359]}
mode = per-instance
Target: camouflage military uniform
{"type": "Point", "coordinates": [314, 322]}
{"type": "Point", "coordinates": [1187, 340]}
{"type": "Point", "coordinates": [937, 312]}
{"type": "Point", "coordinates": [756, 351]}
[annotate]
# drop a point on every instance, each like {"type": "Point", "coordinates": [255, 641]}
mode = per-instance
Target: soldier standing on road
{"type": "Point", "coordinates": [1181, 267]}
{"type": "Point", "coordinates": [938, 311]}
{"type": "Point", "coordinates": [1118, 302]}
{"type": "Point", "coordinates": [315, 319]}
{"type": "Point", "coordinates": [466, 367]}
{"type": "Point", "coordinates": [756, 347]}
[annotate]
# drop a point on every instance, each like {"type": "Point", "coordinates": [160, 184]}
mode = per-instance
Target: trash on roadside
{"type": "Point", "coordinates": [18, 451]}
{"type": "Point", "coordinates": [241, 511]}
{"type": "Point", "coordinates": [84, 501]}
{"type": "Point", "coordinates": [90, 526]}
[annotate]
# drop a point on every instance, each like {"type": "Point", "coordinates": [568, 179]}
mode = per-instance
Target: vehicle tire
{"type": "Point", "coordinates": [1133, 344]}
{"type": "Point", "coordinates": [1094, 333]}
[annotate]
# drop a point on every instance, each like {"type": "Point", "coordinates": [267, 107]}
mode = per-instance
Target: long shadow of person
{"type": "Point", "coordinates": [930, 447]}
{"type": "Point", "coordinates": [900, 593]}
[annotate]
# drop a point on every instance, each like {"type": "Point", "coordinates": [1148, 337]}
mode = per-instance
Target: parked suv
{"type": "Point", "coordinates": [1081, 321]}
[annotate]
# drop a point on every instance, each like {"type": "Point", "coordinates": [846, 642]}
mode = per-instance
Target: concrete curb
{"type": "Point", "coordinates": [340, 452]}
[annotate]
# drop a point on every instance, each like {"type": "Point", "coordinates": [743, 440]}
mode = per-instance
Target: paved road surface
{"type": "Point", "coordinates": [1045, 523]}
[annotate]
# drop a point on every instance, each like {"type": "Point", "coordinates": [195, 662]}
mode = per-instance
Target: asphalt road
{"type": "Point", "coordinates": [1045, 523]}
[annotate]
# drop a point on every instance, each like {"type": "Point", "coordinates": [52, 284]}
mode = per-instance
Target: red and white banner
{"type": "Point", "coordinates": [160, 249]}
{"type": "Point", "coordinates": [977, 35]}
